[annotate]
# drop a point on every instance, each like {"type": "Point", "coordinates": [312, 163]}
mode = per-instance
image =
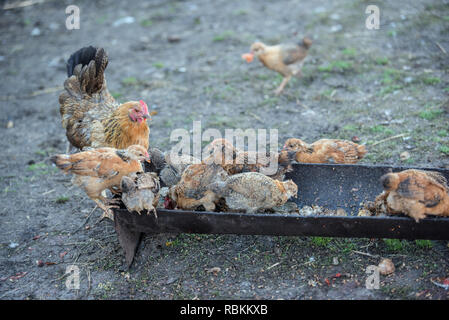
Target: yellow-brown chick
{"type": "Point", "coordinates": [234, 161]}
{"type": "Point", "coordinates": [192, 191]}
{"type": "Point", "coordinates": [99, 169]}
{"type": "Point", "coordinates": [141, 192]}
{"type": "Point", "coordinates": [286, 59]}
{"type": "Point", "coordinates": [90, 115]}
{"type": "Point", "coordinates": [416, 193]}
{"type": "Point", "coordinates": [326, 151]}
{"type": "Point", "coordinates": [253, 191]}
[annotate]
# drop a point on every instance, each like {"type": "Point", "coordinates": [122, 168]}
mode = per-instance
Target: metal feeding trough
{"type": "Point", "coordinates": [326, 185]}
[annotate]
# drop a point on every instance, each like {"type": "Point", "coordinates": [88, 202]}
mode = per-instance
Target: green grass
{"type": "Point", "coordinates": [320, 241]}
{"type": "Point", "coordinates": [130, 81]}
{"type": "Point", "coordinates": [444, 149]}
{"type": "Point", "coordinates": [158, 65]}
{"type": "Point", "coordinates": [62, 200]}
{"type": "Point", "coordinates": [336, 66]}
{"type": "Point", "coordinates": [37, 166]}
{"type": "Point", "coordinates": [382, 61]}
{"type": "Point", "coordinates": [430, 114]}
{"type": "Point", "coordinates": [349, 52]}
{"type": "Point", "coordinates": [424, 244]}
{"type": "Point", "coordinates": [223, 36]}
{"type": "Point", "coordinates": [431, 81]}
{"type": "Point", "coordinates": [146, 23]}
{"type": "Point", "coordinates": [395, 245]}
{"type": "Point", "coordinates": [381, 129]}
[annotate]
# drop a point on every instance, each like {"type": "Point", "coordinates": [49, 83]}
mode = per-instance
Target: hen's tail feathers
{"type": "Point", "coordinates": [88, 65]}
{"type": "Point", "coordinates": [62, 161]}
{"type": "Point", "coordinates": [306, 43]}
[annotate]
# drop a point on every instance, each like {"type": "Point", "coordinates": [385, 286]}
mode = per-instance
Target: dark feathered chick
{"type": "Point", "coordinates": [141, 192]}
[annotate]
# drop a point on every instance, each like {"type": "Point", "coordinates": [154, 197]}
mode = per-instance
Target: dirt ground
{"type": "Point", "coordinates": [373, 84]}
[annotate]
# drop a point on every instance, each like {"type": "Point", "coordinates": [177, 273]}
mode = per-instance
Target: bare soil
{"type": "Point", "coordinates": [373, 84]}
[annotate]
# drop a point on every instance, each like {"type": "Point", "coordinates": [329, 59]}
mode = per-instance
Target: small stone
{"type": "Point", "coordinates": [10, 124]}
{"type": "Point", "coordinates": [124, 20]}
{"type": "Point", "coordinates": [335, 261]}
{"type": "Point", "coordinates": [404, 155]}
{"type": "Point", "coordinates": [386, 267]}
{"type": "Point", "coordinates": [36, 32]}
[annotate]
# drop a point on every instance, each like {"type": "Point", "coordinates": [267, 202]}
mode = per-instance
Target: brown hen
{"type": "Point", "coordinates": [90, 115]}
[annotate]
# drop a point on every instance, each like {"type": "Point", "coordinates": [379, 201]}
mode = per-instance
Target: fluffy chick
{"type": "Point", "coordinates": [286, 59]}
{"type": "Point", "coordinates": [234, 161]}
{"type": "Point", "coordinates": [416, 193]}
{"type": "Point", "coordinates": [99, 169]}
{"type": "Point", "coordinates": [192, 190]}
{"type": "Point", "coordinates": [141, 192]}
{"type": "Point", "coordinates": [253, 191]}
{"type": "Point", "coordinates": [326, 151]}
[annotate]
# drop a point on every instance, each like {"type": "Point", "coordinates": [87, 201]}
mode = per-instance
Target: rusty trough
{"type": "Point", "coordinates": [326, 185]}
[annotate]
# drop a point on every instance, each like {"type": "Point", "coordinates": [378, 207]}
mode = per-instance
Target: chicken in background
{"type": "Point", "coordinates": [90, 115]}
{"type": "Point", "coordinates": [235, 161]}
{"type": "Point", "coordinates": [286, 59]}
{"type": "Point", "coordinates": [253, 191]}
{"type": "Point", "coordinates": [99, 169]}
{"type": "Point", "coordinates": [141, 192]}
{"type": "Point", "coordinates": [192, 191]}
{"type": "Point", "coordinates": [416, 193]}
{"type": "Point", "coordinates": [326, 151]}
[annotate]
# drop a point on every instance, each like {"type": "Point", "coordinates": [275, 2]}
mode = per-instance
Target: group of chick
{"type": "Point", "coordinates": [115, 153]}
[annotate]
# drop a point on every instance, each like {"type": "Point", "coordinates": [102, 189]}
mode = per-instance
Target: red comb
{"type": "Point", "coordinates": [144, 106]}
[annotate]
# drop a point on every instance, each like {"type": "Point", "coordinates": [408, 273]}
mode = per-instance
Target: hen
{"type": "Point", "coordinates": [192, 191]}
{"type": "Point", "coordinates": [286, 59]}
{"type": "Point", "coordinates": [90, 115]}
{"type": "Point", "coordinates": [141, 192]}
{"type": "Point", "coordinates": [252, 191]}
{"type": "Point", "coordinates": [99, 169]}
{"type": "Point", "coordinates": [416, 193]}
{"type": "Point", "coordinates": [326, 151]}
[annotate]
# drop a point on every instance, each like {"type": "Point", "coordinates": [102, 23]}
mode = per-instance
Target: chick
{"type": "Point", "coordinates": [192, 192]}
{"type": "Point", "coordinates": [253, 191]}
{"type": "Point", "coordinates": [286, 59]}
{"type": "Point", "coordinates": [174, 167]}
{"type": "Point", "coordinates": [326, 151]}
{"type": "Point", "coordinates": [416, 193]}
{"type": "Point", "coordinates": [235, 161]}
{"type": "Point", "coordinates": [141, 192]}
{"type": "Point", "coordinates": [99, 169]}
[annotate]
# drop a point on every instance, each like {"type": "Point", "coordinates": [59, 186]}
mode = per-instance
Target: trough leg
{"type": "Point", "coordinates": [129, 239]}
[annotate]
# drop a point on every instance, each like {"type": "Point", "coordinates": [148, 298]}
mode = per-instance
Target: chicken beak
{"type": "Point", "coordinates": [146, 116]}
{"type": "Point", "coordinates": [248, 57]}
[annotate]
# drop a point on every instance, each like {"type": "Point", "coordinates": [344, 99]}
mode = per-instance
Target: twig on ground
{"type": "Point", "coordinates": [388, 139]}
{"type": "Point", "coordinates": [85, 221]}
{"type": "Point", "coordinates": [366, 254]}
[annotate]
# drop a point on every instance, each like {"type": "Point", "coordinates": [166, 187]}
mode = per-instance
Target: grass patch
{"type": "Point", "coordinates": [320, 241]}
{"type": "Point", "coordinates": [146, 23]}
{"type": "Point", "coordinates": [158, 65]}
{"type": "Point", "coordinates": [395, 245]}
{"type": "Point", "coordinates": [382, 61]}
{"type": "Point", "coordinates": [424, 244]}
{"type": "Point", "coordinates": [430, 114]}
{"type": "Point", "coordinates": [349, 52]}
{"type": "Point", "coordinates": [130, 81]}
{"type": "Point", "coordinates": [431, 81]}
{"type": "Point", "coordinates": [336, 66]}
{"type": "Point", "coordinates": [62, 200]}
{"type": "Point", "coordinates": [37, 166]}
{"type": "Point", "coordinates": [444, 149]}
{"type": "Point", "coordinates": [223, 36]}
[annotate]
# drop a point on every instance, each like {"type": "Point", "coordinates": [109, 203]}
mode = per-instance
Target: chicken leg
{"type": "Point", "coordinates": [281, 87]}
